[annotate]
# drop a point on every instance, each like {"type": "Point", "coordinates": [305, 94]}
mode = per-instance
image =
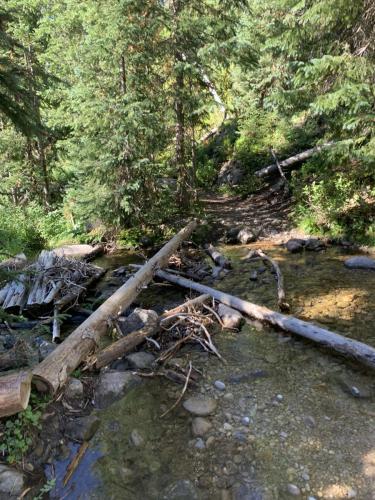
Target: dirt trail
{"type": "Point", "coordinates": [270, 213]}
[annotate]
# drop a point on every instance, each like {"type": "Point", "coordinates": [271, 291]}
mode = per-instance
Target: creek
{"type": "Point", "coordinates": [291, 414]}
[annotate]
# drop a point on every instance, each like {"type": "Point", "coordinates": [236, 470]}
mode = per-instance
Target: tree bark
{"type": "Point", "coordinates": [53, 372]}
{"type": "Point", "coordinates": [273, 169]}
{"type": "Point", "coordinates": [359, 351]}
{"type": "Point", "coordinates": [14, 393]}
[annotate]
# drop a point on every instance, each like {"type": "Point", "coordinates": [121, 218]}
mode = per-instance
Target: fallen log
{"type": "Point", "coordinates": [19, 261]}
{"type": "Point", "coordinates": [284, 306]}
{"type": "Point", "coordinates": [359, 351]}
{"type": "Point", "coordinates": [125, 344]}
{"type": "Point", "coordinates": [14, 393]}
{"type": "Point", "coordinates": [273, 169]}
{"type": "Point", "coordinates": [84, 252]}
{"type": "Point", "coordinates": [53, 372]}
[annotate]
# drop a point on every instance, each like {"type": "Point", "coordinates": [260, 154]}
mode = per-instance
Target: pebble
{"type": "Point", "coordinates": [305, 476]}
{"type": "Point", "coordinates": [219, 385]}
{"type": "Point", "coordinates": [136, 439]}
{"type": "Point", "coordinates": [210, 441]}
{"type": "Point", "coordinates": [228, 396]}
{"type": "Point", "coordinates": [293, 490]}
{"type": "Point", "coordinates": [74, 389]}
{"type": "Point", "coordinates": [351, 493]}
{"type": "Point", "coordinates": [245, 421]}
{"type": "Point", "coordinates": [310, 421]}
{"type": "Point", "coordinates": [227, 426]}
{"type": "Point", "coordinates": [253, 276]}
{"type": "Point", "coordinates": [199, 444]}
{"type": "Point", "coordinates": [279, 397]}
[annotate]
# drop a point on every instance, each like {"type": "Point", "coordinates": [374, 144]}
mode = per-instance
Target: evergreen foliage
{"type": "Point", "coordinates": [111, 142]}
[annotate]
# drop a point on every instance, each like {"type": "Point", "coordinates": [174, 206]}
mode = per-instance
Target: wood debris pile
{"type": "Point", "coordinates": [53, 280]}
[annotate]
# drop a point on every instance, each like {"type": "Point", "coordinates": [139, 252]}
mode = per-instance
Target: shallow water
{"type": "Point", "coordinates": [312, 414]}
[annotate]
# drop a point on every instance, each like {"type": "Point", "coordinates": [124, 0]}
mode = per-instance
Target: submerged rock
{"type": "Point", "coordinates": [11, 481]}
{"type": "Point", "coordinates": [181, 490]}
{"type": "Point", "coordinates": [200, 426]}
{"type": "Point", "coordinates": [112, 386]}
{"type": "Point", "coordinates": [84, 428]}
{"type": "Point", "coordinates": [314, 245]}
{"type": "Point", "coordinates": [200, 406]}
{"type": "Point", "coordinates": [360, 262]}
{"type": "Point", "coordinates": [295, 245]}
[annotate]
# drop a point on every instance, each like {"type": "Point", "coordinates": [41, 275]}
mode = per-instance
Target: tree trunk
{"type": "Point", "coordinates": [53, 372]}
{"type": "Point", "coordinates": [357, 350]}
{"type": "Point", "coordinates": [273, 169]}
{"type": "Point", "coordinates": [14, 393]}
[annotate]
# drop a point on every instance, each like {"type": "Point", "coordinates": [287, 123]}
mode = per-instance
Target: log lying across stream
{"type": "Point", "coordinates": [274, 168]}
{"type": "Point", "coordinates": [359, 351]}
{"type": "Point", "coordinates": [53, 372]}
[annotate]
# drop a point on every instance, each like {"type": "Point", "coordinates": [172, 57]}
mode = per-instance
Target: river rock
{"type": "Point", "coordinates": [219, 385]}
{"type": "Point", "coordinates": [180, 490]}
{"type": "Point", "coordinates": [136, 320]}
{"type": "Point", "coordinates": [200, 426]}
{"type": "Point", "coordinates": [11, 481]}
{"type": "Point", "coordinates": [246, 491]}
{"type": "Point", "coordinates": [200, 406]}
{"type": "Point", "coordinates": [84, 428]}
{"type": "Point", "coordinates": [112, 386]}
{"type": "Point", "coordinates": [293, 490]}
{"type": "Point", "coordinates": [136, 439]}
{"type": "Point", "coordinates": [230, 317]}
{"type": "Point", "coordinates": [314, 245]}
{"type": "Point", "coordinates": [246, 236]}
{"type": "Point", "coordinates": [140, 360]}
{"type": "Point", "coordinates": [295, 245]}
{"type": "Point", "coordinates": [74, 389]}
{"type": "Point", "coordinates": [360, 262]}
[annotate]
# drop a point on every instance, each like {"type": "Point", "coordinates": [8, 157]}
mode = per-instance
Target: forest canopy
{"type": "Point", "coordinates": [105, 105]}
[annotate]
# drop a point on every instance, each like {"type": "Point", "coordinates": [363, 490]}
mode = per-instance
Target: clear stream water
{"type": "Point", "coordinates": [311, 413]}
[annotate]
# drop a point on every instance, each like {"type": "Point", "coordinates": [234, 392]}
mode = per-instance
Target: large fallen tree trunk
{"type": "Point", "coordinates": [345, 346]}
{"type": "Point", "coordinates": [14, 393]}
{"type": "Point", "coordinates": [273, 169]}
{"type": "Point", "coordinates": [52, 373]}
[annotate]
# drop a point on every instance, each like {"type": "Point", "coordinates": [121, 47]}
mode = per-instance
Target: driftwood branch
{"type": "Point", "coordinates": [217, 257]}
{"type": "Point", "coordinates": [274, 168]}
{"type": "Point", "coordinates": [284, 306]}
{"type": "Point", "coordinates": [53, 372]}
{"type": "Point", "coordinates": [359, 351]}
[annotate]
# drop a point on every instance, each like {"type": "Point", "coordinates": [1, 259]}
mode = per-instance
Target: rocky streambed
{"type": "Point", "coordinates": [279, 419]}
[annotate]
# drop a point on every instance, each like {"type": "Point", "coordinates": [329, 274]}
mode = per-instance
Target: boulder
{"type": "Point", "coordinates": [231, 173]}
{"type": "Point", "coordinates": [200, 406]}
{"type": "Point", "coordinates": [230, 317]}
{"type": "Point", "coordinates": [295, 245]}
{"type": "Point", "coordinates": [83, 428]}
{"type": "Point", "coordinates": [140, 360]}
{"type": "Point", "coordinates": [232, 234]}
{"type": "Point", "coordinates": [360, 262]}
{"type": "Point", "coordinates": [11, 482]}
{"type": "Point", "coordinates": [112, 386]}
{"type": "Point", "coordinates": [246, 236]}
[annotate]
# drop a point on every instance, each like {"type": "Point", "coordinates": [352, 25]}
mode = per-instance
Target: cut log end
{"type": "Point", "coordinates": [14, 393]}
